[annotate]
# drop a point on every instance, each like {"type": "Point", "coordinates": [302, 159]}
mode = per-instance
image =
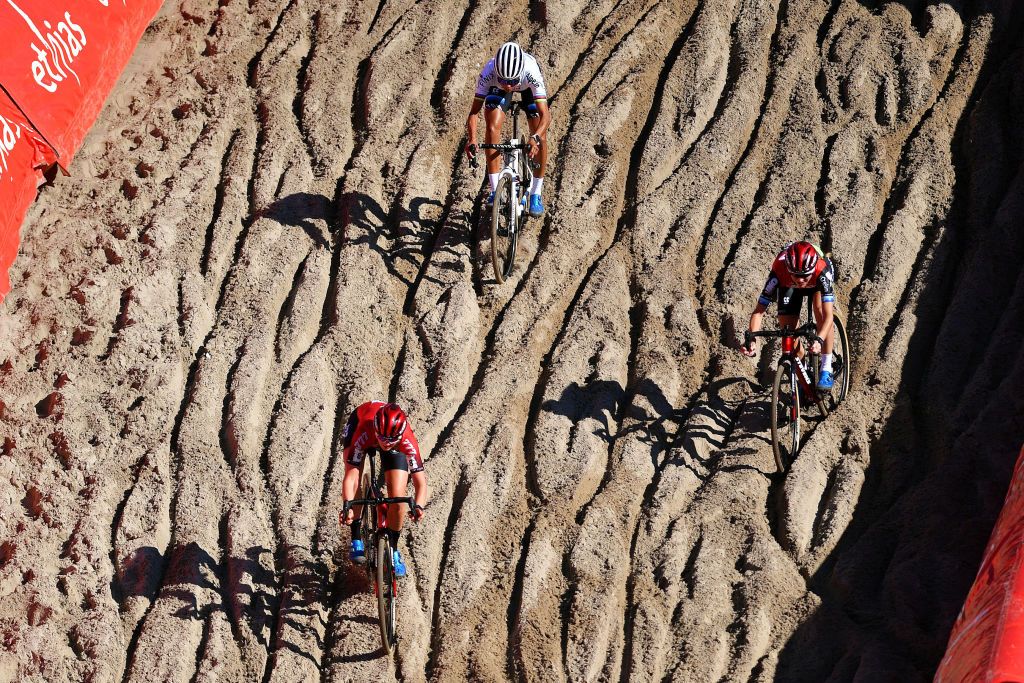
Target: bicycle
{"type": "Point", "coordinates": [790, 386]}
{"type": "Point", "coordinates": [508, 212]}
{"type": "Point", "coordinates": [380, 557]}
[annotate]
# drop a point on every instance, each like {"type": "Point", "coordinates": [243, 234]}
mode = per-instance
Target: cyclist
{"type": "Point", "coordinates": [385, 427]}
{"type": "Point", "coordinates": [511, 71]}
{"type": "Point", "coordinates": [800, 270]}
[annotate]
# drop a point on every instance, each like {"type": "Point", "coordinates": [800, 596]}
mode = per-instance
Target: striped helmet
{"type": "Point", "coordinates": [509, 63]}
{"type": "Point", "coordinates": [801, 258]}
{"type": "Point", "coordinates": [389, 424]}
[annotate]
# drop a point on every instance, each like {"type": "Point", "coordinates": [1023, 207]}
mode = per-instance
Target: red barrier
{"type": "Point", "coordinates": [987, 642]}
{"type": "Point", "coordinates": [22, 153]}
{"type": "Point", "coordinates": [62, 57]}
{"type": "Point", "coordinates": [60, 60]}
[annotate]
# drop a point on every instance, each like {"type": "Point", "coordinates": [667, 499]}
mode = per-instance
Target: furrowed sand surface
{"type": "Point", "coordinates": [273, 222]}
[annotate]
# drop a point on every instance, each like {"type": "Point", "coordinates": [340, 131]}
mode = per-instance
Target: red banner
{"type": "Point", "coordinates": [22, 154]}
{"type": "Point", "coordinates": [987, 642]}
{"type": "Point", "coordinates": [61, 58]}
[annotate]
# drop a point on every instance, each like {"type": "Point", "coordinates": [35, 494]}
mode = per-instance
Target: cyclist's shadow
{"type": "Point", "coordinates": [311, 212]}
{"type": "Point", "coordinates": [598, 400]}
{"type": "Point", "coordinates": [401, 236]}
{"type": "Point", "coordinates": [603, 402]}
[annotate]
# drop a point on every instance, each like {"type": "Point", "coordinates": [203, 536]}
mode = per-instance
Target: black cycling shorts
{"type": "Point", "coordinates": [393, 460]}
{"type": "Point", "coordinates": [791, 300]}
{"type": "Point", "coordinates": [498, 98]}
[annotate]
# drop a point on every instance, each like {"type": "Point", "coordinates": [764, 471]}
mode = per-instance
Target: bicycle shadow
{"type": "Point", "coordinates": [243, 588]}
{"type": "Point", "coordinates": [351, 584]}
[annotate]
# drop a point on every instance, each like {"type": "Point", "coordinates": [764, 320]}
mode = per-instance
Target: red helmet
{"type": "Point", "coordinates": [389, 424]}
{"type": "Point", "coordinates": [801, 258]}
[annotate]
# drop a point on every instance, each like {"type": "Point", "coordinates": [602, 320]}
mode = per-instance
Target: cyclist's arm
{"type": "Point", "coordinates": [419, 480]}
{"type": "Point", "coordinates": [763, 301]}
{"type": "Point", "coordinates": [756, 317]}
{"type": "Point", "coordinates": [826, 286]}
{"type": "Point", "coordinates": [473, 119]}
{"type": "Point", "coordinates": [545, 116]}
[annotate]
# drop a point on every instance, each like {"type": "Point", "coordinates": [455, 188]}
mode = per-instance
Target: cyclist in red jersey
{"type": "Point", "coordinates": [385, 427]}
{"type": "Point", "coordinates": [800, 270]}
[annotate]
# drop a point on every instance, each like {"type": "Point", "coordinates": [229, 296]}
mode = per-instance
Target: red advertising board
{"type": "Point", "coordinates": [60, 60]}
{"type": "Point", "coordinates": [62, 57]}
{"type": "Point", "coordinates": [987, 642]}
{"type": "Point", "coordinates": [22, 153]}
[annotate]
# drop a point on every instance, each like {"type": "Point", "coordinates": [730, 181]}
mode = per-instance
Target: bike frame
{"type": "Point", "coordinates": [790, 352]}
{"type": "Point", "coordinates": [514, 161]}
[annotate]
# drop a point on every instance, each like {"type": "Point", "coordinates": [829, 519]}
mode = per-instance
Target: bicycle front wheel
{"type": "Point", "coordinates": [785, 415]}
{"type": "Point", "coordinates": [504, 229]}
{"type": "Point", "coordinates": [367, 523]}
{"type": "Point", "coordinates": [386, 590]}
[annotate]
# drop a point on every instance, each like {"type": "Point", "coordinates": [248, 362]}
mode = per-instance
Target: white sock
{"type": "Point", "coordinates": [536, 185]}
{"type": "Point", "coordinates": [826, 362]}
{"type": "Point", "coordinates": [493, 177]}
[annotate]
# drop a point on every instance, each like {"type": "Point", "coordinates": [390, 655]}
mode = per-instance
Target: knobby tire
{"type": "Point", "coordinates": [841, 361]}
{"type": "Point", "coordinates": [504, 229]}
{"type": "Point", "coordinates": [386, 610]}
{"type": "Point", "coordinates": [367, 523]}
{"type": "Point", "coordinates": [785, 405]}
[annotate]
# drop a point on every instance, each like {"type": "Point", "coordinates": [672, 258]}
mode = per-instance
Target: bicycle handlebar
{"type": "Point", "coordinates": [504, 146]}
{"type": "Point", "coordinates": [807, 330]}
{"type": "Point", "coordinates": [501, 147]}
{"type": "Point", "coordinates": [349, 504]}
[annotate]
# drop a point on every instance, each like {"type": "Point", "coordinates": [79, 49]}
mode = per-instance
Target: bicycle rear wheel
{"type": "Point", "coordinates": [785, 415]}
{"type": "Point", "coordinates": [504, 229]}
{"type": "Point", "coordinates": [386, 590]}
{"type": "Point", "coordinates": [840, 362]}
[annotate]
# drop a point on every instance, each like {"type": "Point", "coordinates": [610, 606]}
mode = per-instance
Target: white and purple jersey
{"type": "Point", "coordinates": [532, 80]}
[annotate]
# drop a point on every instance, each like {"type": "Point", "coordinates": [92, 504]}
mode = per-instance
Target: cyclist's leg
{"type": "Point", "coordinates": [396, 478]}
{"type": "Point", "coordinates": [788, 321]}
{"type": "Point", "coordinates": [349, 490]}
{"type": "Point", "coordinates": [790, 301]}
{"type": "Point", "coordinates": [495, 106]}
{"type": "Point", "coordinates": [350, 484]}
{"type": "Point", "coordinates": [819, 314]}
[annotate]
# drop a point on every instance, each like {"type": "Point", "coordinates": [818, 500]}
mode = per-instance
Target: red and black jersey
{"type": "Point", "coordinates": [359, 436]}
{"type": "Point", "coordinates": [780, 280]}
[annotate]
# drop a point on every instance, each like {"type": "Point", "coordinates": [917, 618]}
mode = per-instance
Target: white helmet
{"type": "Point", "coordinates": [509, 63]}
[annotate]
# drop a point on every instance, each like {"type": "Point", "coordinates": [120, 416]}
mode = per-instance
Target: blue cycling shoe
{"type": "Point", "coordinates": [826, 380]}
{"type": "Point", "coordinates": [357, 554]}
{"type": "Point", "coordinates": [536, 206]}
{"type": "Point", "coordinates": [399, 565]}
{"type": "Point", "coordinates": [490, 199]}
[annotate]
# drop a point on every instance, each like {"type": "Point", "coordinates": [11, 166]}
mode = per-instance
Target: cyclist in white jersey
{"type": "Point", "coordinates": [511, 71]}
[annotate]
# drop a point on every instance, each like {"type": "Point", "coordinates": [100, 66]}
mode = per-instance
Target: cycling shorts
{"type": "Point", "coordinates": [498, 98]}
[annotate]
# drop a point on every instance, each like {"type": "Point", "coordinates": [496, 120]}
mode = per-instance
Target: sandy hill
{"type": "Point", "coordinates": [273, 222]}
